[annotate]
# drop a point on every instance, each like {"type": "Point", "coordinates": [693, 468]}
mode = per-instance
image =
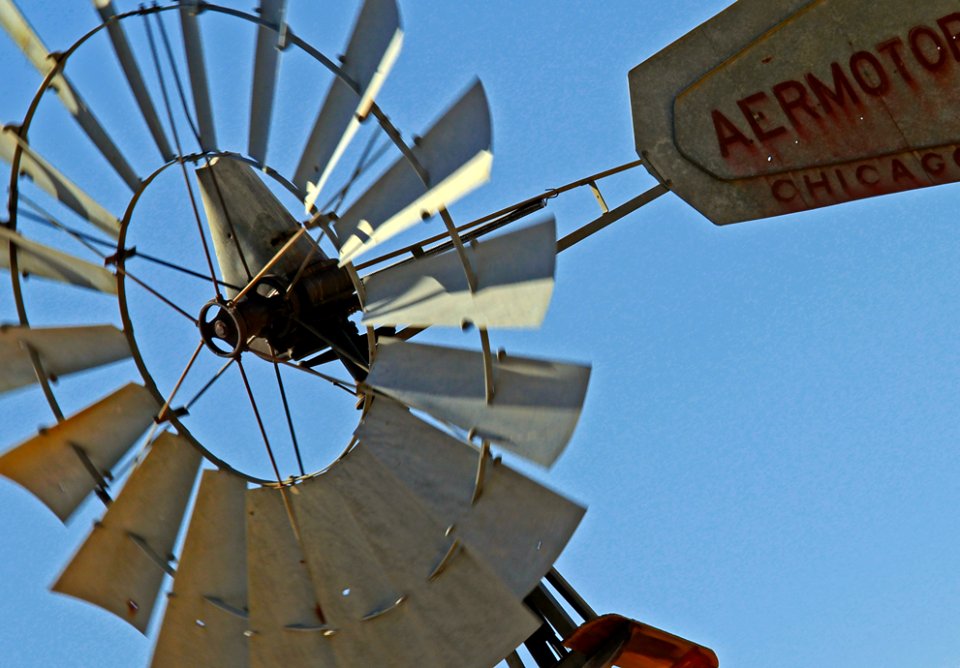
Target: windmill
{"type": "Point", "coordinates": [416, 545]}
{"type": "Point", "coordinates": [224, 321]}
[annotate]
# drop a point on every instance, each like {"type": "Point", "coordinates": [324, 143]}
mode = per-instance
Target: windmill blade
{"type": "Point", "coordinates": [238, 203]}
{"type": "Point", "coordinates": [365, 533]}
{"type": "Point", "coordinates": [206, 615]}
{"type": "Point", "coordinates": [39, 260]}
{"type": "Point", "coordinates": [265, 65]}
{"type": "Point", "coordinates": [455, 156]}
{"type": "Point", "coordinates": [517, 526]}
{"type": "Point", "coordinates": [29, 42]}
{"type": "Point", "coordinates": [120, 567]}
{"type": "Point", "coordinates": [514, 275]}
{"type": "Point", "coordinates": [196, 67]}
{"type": "Point", "coordinates": [131, 71]}
{"type": "Point", "coordinates": [373, 48]}
{"type": "Point", "coordinates": [62, 465]}
{"type": "Point", "coordinates": [287, 626]}
{"type": "Point", "coordinates": [62, 351]}
{"type": "Point", "coordinates": [55, 184]}
{"type": "Point", "coordinates": [535, 406]}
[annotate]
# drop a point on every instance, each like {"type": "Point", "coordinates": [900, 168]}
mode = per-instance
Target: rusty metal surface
{"type": "Point", "coordinates": [121, 565]}
{"type": "Point", "coordinates": [613, 640]}
{"type": "Point", "coordinates": [780, 106]}
{"type": "Point", "coordinates": [48, 464]}
{"type": "Point", "coordinates": [237, 201]}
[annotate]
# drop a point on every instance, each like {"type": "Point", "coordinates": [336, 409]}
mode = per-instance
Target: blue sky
{"type": "Point", "coordinates": [767, 450]}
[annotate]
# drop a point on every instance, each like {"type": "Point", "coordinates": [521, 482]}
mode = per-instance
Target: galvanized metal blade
{"type": "Point", "coordinates": [265, 65]}
{"type": "Point", "coordinates": [534, 409]}
{"type": "Point", "coordinates": [61, 351]}
{"type": "Point", "coordinates": [248, 223]}
{"type": "Point", "coordinates": [131, 71]}
{"type": "Point", "coordinates": [206, 614]}
{"type": "Point", "coordinates": [454, 156]}
{"type": "Point", "coordinates": [120, 567]}
{"type": "Point", "coordinates": [399, 590]}
{"type": "Point", "coordinates": [29, 42]}
{"type": "Point", "coordinates": [287, 626]}
{"type": "Point", "coordinates": [62, 465]}
{"type": "Point", "coordinates": [514, 274]}
{"type": "Point", "coordinates": [197, 69]}
{"type": "Point", "coordinates": [373, 48]}
{"type": "Point", "coordinates": [517, 526]}
{"type": "Point", "coordinates": [49, 179]}
{"type": "Point", "coordinates": [38, 260]}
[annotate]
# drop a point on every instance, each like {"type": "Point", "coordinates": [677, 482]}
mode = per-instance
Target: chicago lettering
{"type": "Point", "coordinates": [867, 75]}
{"type": "Point", "coordinates": [877, 176]}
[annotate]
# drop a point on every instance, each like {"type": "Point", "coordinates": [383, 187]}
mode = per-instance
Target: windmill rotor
{"type": "Point", "coordinates": [417, 530]}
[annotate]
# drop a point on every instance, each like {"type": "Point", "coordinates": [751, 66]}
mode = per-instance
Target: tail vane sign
{"type": "Point", "coordinates": [778, 106]}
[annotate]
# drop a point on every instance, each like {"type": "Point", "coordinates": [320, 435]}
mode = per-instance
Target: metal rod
{"type": "Point", "coordinates": [176, 139]}
{"type": "Point", "coordinates": [611, 217]}
{"type": "Point", "coordinates": [269, 265]}
{"type": "Point", "coordinates": [286, 410]}
{"type": "Point", "coordinates": [44, 379]}
{"type": "Point", "coordinates": [209, 384]}
{"type": "Point", "coordinates": [570, 595]}
{"type": "Point", "coordinates": [131, 71]}
{"type": "Point", "coordinates": [481, 472]}
{"type": "Point", "coordinates": [548, 194]}
{"type": "Point", "coordinates": [461, 251]}
{"type": "Point", "coordinates": [489, 388]}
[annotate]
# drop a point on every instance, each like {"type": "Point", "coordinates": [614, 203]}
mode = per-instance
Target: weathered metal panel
{"type": "Point", "coordinates": [455, 154]}
{"type": "Point", "coordinates": [516, 526]}
{"type": "Point", "coordinates": [535, 406]}
{"type": "Point", "coordinates": [286, 623]}
{"type": "Point", "coordinates": [32, 47]}
{"type": "Point", "coordinates": [265, 64]}
{"type": "Point", "coordinates": [206, 614]}
{"type": "Point", "coordinates": [49, 179]}
{"type": "Point", "coordinates": [777, 106]}
{"type": "Point", "coordinates": [514, 284]}
{"type": "Point", "coordinates": [237, 201]}
{"type": "Point", "coordinates": [120, 567]}
{"type": "Point", "coordinates": [38, 260]}
{"type": "Point", "coordinates": [374, 551]}
{"type": "Point", "coordinates": [131, 71]}
{"type": "Point", "coordinates": [373, 48]}
{"type": "Point", "coordinates": [48, 464]}
{"type": "Point", "coordinates": [62, 351]}
{"type": "Point", "coordinates": [197, 68]}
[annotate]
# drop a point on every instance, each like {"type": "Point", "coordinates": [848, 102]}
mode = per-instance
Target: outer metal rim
{"type": "Point", "coordinates": [13, 203]}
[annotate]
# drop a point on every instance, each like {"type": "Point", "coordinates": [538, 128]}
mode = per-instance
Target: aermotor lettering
{"type": "Point", "coordinates": [798, 105]}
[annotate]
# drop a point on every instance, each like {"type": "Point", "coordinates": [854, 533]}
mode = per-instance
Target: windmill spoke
{"type": "Point", "coordinates": [286, 410]}
{"type": "Point", "coordinates": [44, 217]}
{"type": "Point", "coordinates": [260, 426]}
{"type": "Point", "coordinates": [176, 138]}
{"type": "Point", "coordinates": [209, 384]}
